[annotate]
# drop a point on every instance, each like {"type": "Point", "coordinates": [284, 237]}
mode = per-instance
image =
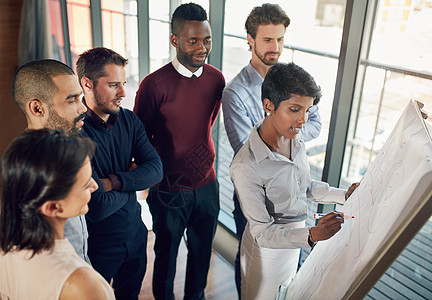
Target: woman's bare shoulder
{"type": "Point", "coordinates": [84, 284]}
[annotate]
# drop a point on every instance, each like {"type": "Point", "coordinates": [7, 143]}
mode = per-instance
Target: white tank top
{"type": "Point", "coordinates": [42, 276]}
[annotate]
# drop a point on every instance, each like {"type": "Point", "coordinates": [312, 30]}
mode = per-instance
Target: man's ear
{"type": "Point", "coordinates": [250, 40]}
{"type": "Point", "coordinates": [35, 108]}
{"type": "Point", "coordinates": [86, 83]}
{"type": "Point", "coordinates": [174, 40]}
{"type": "Point", "coordinates": [51, 208]}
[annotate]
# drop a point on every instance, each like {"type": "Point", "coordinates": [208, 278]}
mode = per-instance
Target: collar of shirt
{"type": "Point", "coordinates": [182, 70]}
{"type": "Point", "coordinates": [98, 121]}
{"type": "Point", "coordinates": [261, 151]}
{"type": "Point", "coordinates": [254, 77]}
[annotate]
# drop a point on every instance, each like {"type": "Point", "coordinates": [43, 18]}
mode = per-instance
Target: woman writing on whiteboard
{"type": "Point", "coordinates": [45, 179]}
{"type": "Point", "coordinates": [271, 177]}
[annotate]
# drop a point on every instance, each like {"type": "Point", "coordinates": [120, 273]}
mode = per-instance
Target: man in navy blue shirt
{"type": "Point", "coordinates": [124, 162]}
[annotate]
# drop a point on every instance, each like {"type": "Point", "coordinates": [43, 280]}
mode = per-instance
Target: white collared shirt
{"type": "Point", "coordinates": [272, 192]}
{"type": "Point", "coordinates": [184, 71]}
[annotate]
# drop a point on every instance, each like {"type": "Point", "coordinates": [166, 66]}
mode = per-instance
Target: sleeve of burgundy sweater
{"type": "Point", "coordinates": [219, 99]}
{"type": "Point", "coordinates": [147, 104]}
{"type": "Point", "coordinates": [149, 170]}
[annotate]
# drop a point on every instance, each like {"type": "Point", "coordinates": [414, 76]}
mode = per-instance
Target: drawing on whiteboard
{"type": "Point", "coordinates": [383, 206]}
{"type": "Point", "coordinates": [380, 212]}
{"type": "Point", "coordinates": [319, 272]}
{"type": "Point", "coordinates": [374, 179]}
{"type": "Point", "coordinates": [395, 179]}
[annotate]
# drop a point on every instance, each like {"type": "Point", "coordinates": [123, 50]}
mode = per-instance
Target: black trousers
{"type": "Point", "coordinates": [126, 263]}
{"type": "Point", "coordinates": [195, 211]}
{"type": "Point", "coordinates": [240, 222]}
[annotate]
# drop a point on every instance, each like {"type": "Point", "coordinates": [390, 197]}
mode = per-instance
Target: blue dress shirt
{"type": "Point", "coordinates": [75, 230]}
{"type": "Point", "coordinates": [242, 109]}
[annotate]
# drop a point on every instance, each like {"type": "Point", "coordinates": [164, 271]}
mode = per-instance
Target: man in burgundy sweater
{"type": "Point", "coordinates": [179, 104]}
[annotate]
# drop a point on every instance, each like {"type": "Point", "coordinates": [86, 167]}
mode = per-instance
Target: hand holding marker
{"type": "Point", "coordinates": [318, 216]}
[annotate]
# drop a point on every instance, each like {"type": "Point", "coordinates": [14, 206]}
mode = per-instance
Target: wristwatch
{"type": "Point", "coordinates": [311, 242]}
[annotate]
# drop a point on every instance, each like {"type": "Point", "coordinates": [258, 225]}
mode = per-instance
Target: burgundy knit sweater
{"type": "Point", "coordinates": [178, 113]}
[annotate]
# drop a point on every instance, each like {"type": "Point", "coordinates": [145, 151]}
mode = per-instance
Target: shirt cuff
{"type": "Point", "coordinates": [321, 192]}
{"type": "Point", "coordinates": [301, 236]}
{"type": "Point", "coordinates": [117, 183]}
{"type": "Point", "coordinates": [337, 195]}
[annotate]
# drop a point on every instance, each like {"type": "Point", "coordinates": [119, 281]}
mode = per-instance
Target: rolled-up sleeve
{"type": "Point", "coordinates": [321, 192]}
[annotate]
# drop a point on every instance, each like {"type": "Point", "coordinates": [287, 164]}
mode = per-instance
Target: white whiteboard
{"type": "Point", "coordinates": [394, 190]}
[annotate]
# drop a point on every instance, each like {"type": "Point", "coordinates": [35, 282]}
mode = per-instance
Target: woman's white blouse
{"type": "Point", "coordinates": [272, 191]}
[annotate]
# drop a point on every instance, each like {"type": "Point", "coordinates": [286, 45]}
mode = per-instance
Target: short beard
{"type": "Point", "coordinates": [56, 122]}
{"type": "Point", "coordinates": [101, 106]}
{"type": "Point", "coordinates": [271, 62]}
{"type": "Point", "coordinates": [187, 59]}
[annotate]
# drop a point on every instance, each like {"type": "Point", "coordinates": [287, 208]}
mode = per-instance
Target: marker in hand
{"type": "Point", "coordinates": [318, 216]}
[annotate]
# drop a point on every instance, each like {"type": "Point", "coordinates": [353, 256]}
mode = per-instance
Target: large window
{"type": "Point", "coordinates": [80, 36]}
{"type": "Point", "coordinates": [120, 33]}
{"type": "Point", "coordinates": [396, 66]}
{"type": "Point", "coordinates": [159, 34]}
{"type": "Point", "coordinates": [55, 25]}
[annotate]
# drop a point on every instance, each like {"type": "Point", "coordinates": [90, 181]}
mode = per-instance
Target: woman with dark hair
{"type": "Point", "coordinates": [271, 177]}
{"type": "Point", "coordinates": [45, 179]}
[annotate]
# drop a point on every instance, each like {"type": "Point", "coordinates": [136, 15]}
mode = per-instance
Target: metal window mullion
{"type": "Point", "coordinates": [96, 21]}
{"type": "Point", "coordinates": [143, 38]}
{"type": "Point", "coordinates": [217, 22]}
{"type": "Point", "coordinates": [173, 4]}
{"type": "Point", "coordinates": [66, 38]}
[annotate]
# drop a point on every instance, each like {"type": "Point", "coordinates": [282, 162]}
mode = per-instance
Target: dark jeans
{"type": "Point", "coordinates": [195, 211]}
{"type": "Point", "coordinates": [126, 263]}
{"type": "Point", "coordinates": [240, 222]}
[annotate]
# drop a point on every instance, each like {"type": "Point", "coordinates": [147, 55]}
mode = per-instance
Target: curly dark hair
{"type": "Point", "coordinates": [38, 166]}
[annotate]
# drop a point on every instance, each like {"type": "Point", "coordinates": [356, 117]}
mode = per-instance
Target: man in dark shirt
{"type": "Point", "coordinates": [124, 162]}
{"type": "Point", "coordinates": [179, 104]}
